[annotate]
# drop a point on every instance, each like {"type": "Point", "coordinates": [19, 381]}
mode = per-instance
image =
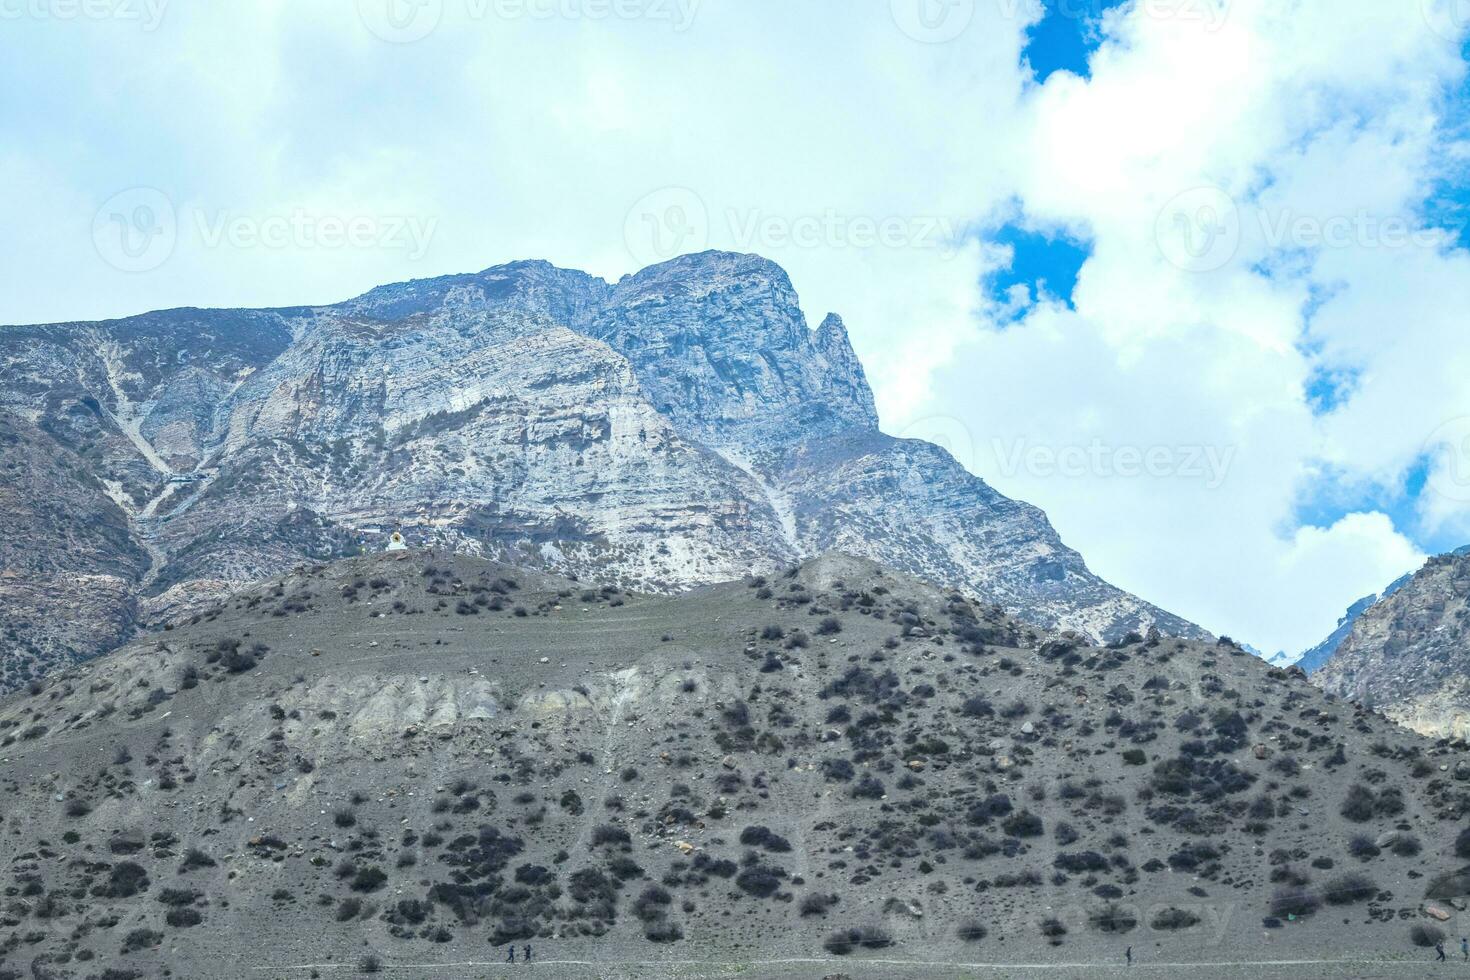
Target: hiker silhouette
{"type": "Point", "coordinates": [512, 957]}
{"type": "Point", "coordinates": [1439, 950]}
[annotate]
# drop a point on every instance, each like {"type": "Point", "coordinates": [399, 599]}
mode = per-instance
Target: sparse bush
{"type": "Point", "coordinates": [141, 939]}
{"type": "Point", "coordinates": [830, 626]}
{"type": "Point", "coordinates": [815, 903]}
{"type": "Point", "coordinates": [1023, 824]}
{"type": "Point", "coordinates": [977, 707]}
{"type": "Point", "coordinates": [1426, 935]}
{"type": "Point", "coordinates": [124, 880]}
{"type": "Point", "coordinates": [1406, 845]}
{"type": "Point", "coordinates": [653, 904]}
{"type": "Point", "coordinates": [1358, 805]}
{"type": "Point", "coordinates": [183, 918]}
{"type": "Point", "coordinates": [195, 858]}
{"type": "Point", "coordinates": [757, 836]}
{"type": "Point", "coordinates": [972, 931]}
{"type": "Point", "coordinates": [1081, 861]}
{"type": "Point", "coordinates": [369, 879]}
{"type": "Point", "coordinates": [1296, 902]}
{"type": "Point", "coordinates": [606, 835]}
{"type": "Point", "coordinates": [844, 941]}
{"type": "Point", "coordinates": [1113, 918]}
{"type": "Point", "coordinates": [1362, 847]}
{"type": "Point", "coordinates": [1348, 889]}
{"type": "Point", "coordinates": [759, 880]}
{"type": "Point", "coordinates": [1171, 920]}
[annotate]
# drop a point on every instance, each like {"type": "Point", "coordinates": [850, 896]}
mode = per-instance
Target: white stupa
{"type": "Point", "coordinates": [396, 542]}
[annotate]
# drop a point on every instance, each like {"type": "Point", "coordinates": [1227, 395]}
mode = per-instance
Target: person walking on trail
{"type": "Point", "coordinates": [512, 957]}
{"type": "Point", "coordinates": [526, 953]}
{"type": "Point", "coordinates": [1439, 951]}
{"type": "Point", "coordinates": [1465, 948]}
{"type": "Point", "coordinates": [1129, 953]}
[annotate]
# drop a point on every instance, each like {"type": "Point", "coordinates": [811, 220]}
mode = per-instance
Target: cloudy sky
{"type": "Point", "coordinates": [1189, 274]}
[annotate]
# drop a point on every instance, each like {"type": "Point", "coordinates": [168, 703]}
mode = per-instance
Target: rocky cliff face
{"type": "Point", "coordinates": [679, 427]}
{"type": "Point", "coordinates": [1408, 654]}
{"type": "Point", "coordinates": [1314, 659]}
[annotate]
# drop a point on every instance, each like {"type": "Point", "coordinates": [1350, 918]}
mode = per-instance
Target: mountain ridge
{"type": "Point", "coordinates": [681, 426]}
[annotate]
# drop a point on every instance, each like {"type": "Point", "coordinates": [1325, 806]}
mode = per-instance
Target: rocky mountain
{"type": "Point", "coordinates": [1314, 659]}
{"type": "Point", "coordinates": [406, 762]}
{"type": "Point", "coordinates": [1408, 654]}
{"type": "Point", "coordinates": [679, 427]}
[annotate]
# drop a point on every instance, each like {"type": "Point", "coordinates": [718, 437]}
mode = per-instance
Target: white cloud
{"type": "Point", "coordinates": [1315, 139]}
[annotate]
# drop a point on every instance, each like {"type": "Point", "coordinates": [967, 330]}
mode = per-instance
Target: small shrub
{"type": "Point", "coordinates": [1113, 918]}
{"type": "Point", "coordinates": [1348, 889]}
{"type": "Point", "coordinates": [141, 939]}
{"type": "Point", "coordinates": [844, 941]}
{"type": "Point", "coordinates": [757, 836]}
{"type": "Point", "coordinates": [1170, 920]}
{"type": "Point", "coordinates": [1296, 902]}
{"type": "Point", "coordinates": [1358, 805]}
{"type": "Point", "coordinates": [1426, 935]}
{"type": "Point", "coordinates": [816, 903]}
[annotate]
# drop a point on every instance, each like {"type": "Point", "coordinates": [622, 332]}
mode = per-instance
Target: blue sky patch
{"type": "Point", "coordinates": [1064, 39]}
{"type": "Point", "coordinates": [1330, 387]}
{"type": "Point", "coordinates": [1045, 264]}
{"type": "Point", "coordinates": [1332, 496]}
